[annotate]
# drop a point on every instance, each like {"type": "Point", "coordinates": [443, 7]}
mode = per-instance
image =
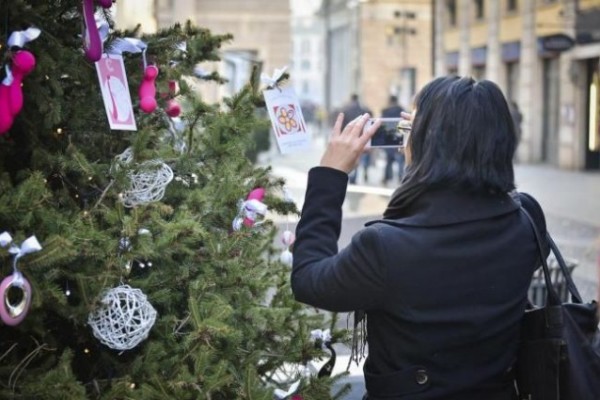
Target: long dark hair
{"type": "Point", "coordinates": [462, 137]}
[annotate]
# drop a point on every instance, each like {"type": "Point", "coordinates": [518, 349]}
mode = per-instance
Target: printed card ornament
{"type": "Point", "coordinates": [124, 318]}
{"type": "Point", "coordinates": [22, 64]}
{"type": "Point", "coordinates": [286, 115]}
{"type": "Point", "coordinates": [252, 211]}
{"type": "Point", "coordinates": [93, 26]}
{"type": "Point", "coordinates": [148, 181]}
{"type": "Point", "coordinates": [115, 92]}
{"type": "Point", "coordinates": [13, 314]}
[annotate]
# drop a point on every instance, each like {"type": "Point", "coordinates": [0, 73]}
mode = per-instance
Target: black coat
{"type": "Point", "coordinates": [444, 288]}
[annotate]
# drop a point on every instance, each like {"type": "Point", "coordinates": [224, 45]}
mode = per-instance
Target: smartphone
{"type": "Point", "coordinates": [391, 132]}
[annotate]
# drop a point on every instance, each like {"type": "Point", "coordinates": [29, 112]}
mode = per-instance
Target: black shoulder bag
{"type": "Point", "coordinates": [559, 352]}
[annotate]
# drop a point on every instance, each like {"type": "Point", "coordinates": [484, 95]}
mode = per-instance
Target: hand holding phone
{"type": "Point", "coordinates": [391, 132]}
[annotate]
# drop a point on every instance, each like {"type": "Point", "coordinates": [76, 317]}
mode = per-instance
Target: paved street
{"type": "Point", "coordinates": [569, 199]}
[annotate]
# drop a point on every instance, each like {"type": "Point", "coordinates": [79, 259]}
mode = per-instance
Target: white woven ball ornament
{"type": "Point", "coordinates": [148, 183]}
{"type": "Point", "coordinates": [124, 319]}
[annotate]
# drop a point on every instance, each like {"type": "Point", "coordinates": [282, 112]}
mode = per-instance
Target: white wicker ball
{"type": "Point", "coordinates": [124, 319]}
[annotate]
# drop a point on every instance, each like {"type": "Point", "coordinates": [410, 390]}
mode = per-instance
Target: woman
{"type": "Point", "coordinates": [443, 277]}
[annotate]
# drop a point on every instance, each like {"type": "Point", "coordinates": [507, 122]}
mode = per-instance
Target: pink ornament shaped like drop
{"type": "Point", "coordinates": [23, 62]}
{"type": "Point", "coordinates": [147, 90]}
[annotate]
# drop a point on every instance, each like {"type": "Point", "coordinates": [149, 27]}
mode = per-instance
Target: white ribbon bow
{"type": "Point", "coordinates": [253, 208]}
{"type": "Point", "coordinates": [129, 45]}
{"type": "Point", "coordinates": [325, 335]}
{"type": "Point", "coordinates": [272, 80]}
{"type": "Point", "coordinates": [5, 239]}
{"type": "Point", "coordinates": [20, 38]}
{"type": "Point", "coordinates": [30, 245]}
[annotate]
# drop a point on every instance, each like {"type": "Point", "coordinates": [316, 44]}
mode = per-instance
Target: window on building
{"type": "Point", "coordinates": [512, 5]}
{"type": "Point", "coordinates": [479, 9]}
{"type": "Point", "coordinates": [305, 65]}
{"type": "Point", "coordinates": [305, 87]}
{"type": "Point", "coordinates": [408, 86]}
{"type": "Point", "coordinates": [451, 12]}
{"type": "Point", "coordinates": [305, 47]}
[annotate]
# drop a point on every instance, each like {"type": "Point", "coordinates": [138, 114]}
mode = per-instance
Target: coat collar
{"type": "Point", "coordinates": [449, 206]}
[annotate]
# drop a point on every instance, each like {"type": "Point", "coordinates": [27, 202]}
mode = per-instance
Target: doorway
{"type": "Point", "coordinates": [592, 148]}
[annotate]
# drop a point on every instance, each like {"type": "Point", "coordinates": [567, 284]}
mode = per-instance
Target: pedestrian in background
{"type": "Point", "coordinates": [392, 156]}
{"type": "Point", "coordinates": [351, 111]}
{"type": "Point", "coordinates": [443, 276]}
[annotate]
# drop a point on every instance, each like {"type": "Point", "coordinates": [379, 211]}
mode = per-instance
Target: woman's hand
{"type": "Point", "coordinates": [345, 147]}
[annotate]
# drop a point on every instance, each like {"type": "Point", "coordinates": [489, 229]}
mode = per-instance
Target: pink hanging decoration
{"type": "Point", "coordinates": [6, 118]}
{"type": "Point", "coordinates": [23, 62]}
{"type": "Point", "coordinates": [14, 314]}
{"type": "Point", "coordinates": [255, 194]}
{"type": "Point", "coordinates": [147, 90]}
{"type": "Point", "coordinates": [173, 108]}
{"type": "Point", "coordinates": [92, 42]}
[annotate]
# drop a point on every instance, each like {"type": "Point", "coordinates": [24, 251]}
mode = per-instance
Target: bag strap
{"type": "Point", "coordinates": [552, 297]}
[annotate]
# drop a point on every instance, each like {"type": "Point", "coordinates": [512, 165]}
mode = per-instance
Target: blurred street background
{"type": "Point", "coordinates": [544, 54]}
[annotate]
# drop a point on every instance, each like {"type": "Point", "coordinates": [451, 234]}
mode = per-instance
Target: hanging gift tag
{"type": "Point", "coordinates": [115, 92]}
{"type": "Point", "coordinates": [287, 120]}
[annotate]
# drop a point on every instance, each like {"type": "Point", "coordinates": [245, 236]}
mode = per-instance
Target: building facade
{"type": "Point", "coordinates": [261, 30]}
{"type": "Point", "coordinates": [544, 55]}
{"type": "Point", "coordinates": [308, 55]}
{"type": "Point", "coordinates": [376, 48]}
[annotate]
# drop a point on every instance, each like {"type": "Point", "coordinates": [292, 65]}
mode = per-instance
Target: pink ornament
{"type": "Point", "coordinates": [147, 90]}
{"type": "Point", "coordinates": [11, 94]}
{"type": "Point", "coordinates": [23, 62]}
{"type": "Point", "coordinates": [92, 44]}
{"type": "Point", "coordinates": [288, 238]}
{"type": "Point", "coordinates": [255, 194]}
{"type": "Point", "coordinates": [173, 108]}
{"type": "Point", "coordinates": [6, 118]}
{"type": "Point", "coordinates": [14, 314]}
{"type": "Point", "coordinates": [296, 397]}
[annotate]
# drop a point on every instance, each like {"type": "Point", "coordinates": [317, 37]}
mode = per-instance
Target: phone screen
{"type": "Point", "coordinates": [390, 133]}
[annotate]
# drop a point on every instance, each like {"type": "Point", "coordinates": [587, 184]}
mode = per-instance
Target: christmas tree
{"type": "Point", "coordinates": [155, 277]}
